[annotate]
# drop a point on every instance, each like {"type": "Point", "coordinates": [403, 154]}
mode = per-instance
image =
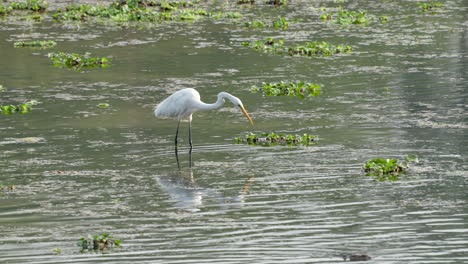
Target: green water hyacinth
{"type": "Point", "coordinates": [17, 109]}
{"type": "Point", "coordinates": [281, 23]}
{"type": "Point", "coordinates": [98, 242]}
{"type": "Point", "coordinates": [4, 10]}
{"type": "Point", "coordinates": [32, 5]}
{"type": "Point", "coordinates": [310, 49]}
{"type": "Point", "coordinates": [140, 11]}
{"type": "Point", "coordinates": [429, 6]}
{"type": "Point", "coordinates": [318, 49]}
{"type": "Point", "coordinates": [388, 169]}
{"type": "Point", "coordinates": [77, 61]}
{"type": "Point", "coordinates": [345, 17]}
{"type": "Point", "coordinates": [297, 89]}
{"type": "Point", "coordinates": [268, 45]}
{"type": "Point", "coordinates": [36, 44]}
{"type": "Point", "coordinates": [271, 139]}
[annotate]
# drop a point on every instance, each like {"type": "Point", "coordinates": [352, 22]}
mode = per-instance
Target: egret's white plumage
{"type": "Point", "coordinates": [182, 104]}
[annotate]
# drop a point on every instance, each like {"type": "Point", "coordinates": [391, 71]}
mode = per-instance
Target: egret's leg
{"type": "Point", "coordinates": [177, 132]}
{"type": "Point", "coordinates": [190, 134]}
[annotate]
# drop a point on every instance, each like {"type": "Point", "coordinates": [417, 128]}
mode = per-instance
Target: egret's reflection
{"type": "Point", "coordinates": [184, 191]}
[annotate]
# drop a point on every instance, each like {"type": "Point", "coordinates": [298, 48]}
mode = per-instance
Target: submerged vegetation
{"type": "Point", "coordinates": [36, 43]}
{"type": "Point", "coordinates": [388, 169]}
{"type": "Point", "coordinates": [98, 242]}
{"type": "Point", "coordinates": [271, 139]}
{"type": "Point", "coordinates": [310, 49]}
{"type": "Point", "coordinates": [298, 89]}
{"type": "Point", "coordinates": [14, 109]}
{"type": "Point", "coordinates": [77, 61]}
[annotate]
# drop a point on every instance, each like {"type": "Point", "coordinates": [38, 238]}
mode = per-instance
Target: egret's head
{"type": "Point", "coordinates": [238, 102]}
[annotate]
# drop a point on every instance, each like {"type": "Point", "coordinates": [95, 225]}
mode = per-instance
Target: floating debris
{"type": "Point", "coordinates": [270, 139]}
{"type": "Point", "coordinates": [29, 140]}
{"type": "Point", "coordinates": [357, 257]}
{"type": "Point", "coordinates": [298, 89]}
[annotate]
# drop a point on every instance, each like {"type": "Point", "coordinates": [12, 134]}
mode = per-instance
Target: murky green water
{"type": "Point", "coordinates": [86, 170]}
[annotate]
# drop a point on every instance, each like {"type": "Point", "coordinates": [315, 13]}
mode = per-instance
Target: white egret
{"type": "Point", "coordinates": [182, 104]}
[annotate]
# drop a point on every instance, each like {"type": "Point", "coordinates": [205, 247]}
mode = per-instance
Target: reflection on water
{"type": "Point", "coordinates": [186, 194]}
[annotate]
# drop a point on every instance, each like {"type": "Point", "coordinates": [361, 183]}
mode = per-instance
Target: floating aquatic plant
{"type": "Point", "coordinates": [98, 242]}
{"type": "Point", "coordinates": [388, 169]}
{"type": "Point", "coordinates": [33, 17]}
{"type": "Point", "coordinates": [140, 11]}
{"type": "Point", "coordinates": [270, 139]}
{"type": "Point", "coordinates": [345, 17]}
{"type": "Point", "coordinates": [429, 6]}
{"type": "Point", "coordinates": [267, 45]}
{"type": "Point", "coordinates": [281, 23]}
{"type": "Point", "coordinates": [4, 10]}
{"type": "Point", "coordinates": [240, 2]}
{"type": "Point", "coordinates": [103, 105]}
{"type": "Point", "coordinates": [77, 61]}
{"type": "Point", "coordinates": [307, 49]}
{"type": "Point", "coordinates": [36, 43]}
{"type": "Point", "coordinates": [298, 89]}
{"type": "Point", "coordinates": [20, 109]}
{"type": "Point", "coordinates": [318, 49]}
{"type": "Point", "coordinates": [33, 5]}
{"type": "Point", "coordinates": [255, 24]}
{"type": "Point", "coordinates": [276, 2]}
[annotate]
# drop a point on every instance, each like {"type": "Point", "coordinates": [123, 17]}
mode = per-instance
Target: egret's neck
{"type": "Point", "coordinates": [217, 104]}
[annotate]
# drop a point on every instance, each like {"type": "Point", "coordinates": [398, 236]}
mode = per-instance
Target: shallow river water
{"type": "Point", "coordinates": [79, 169]}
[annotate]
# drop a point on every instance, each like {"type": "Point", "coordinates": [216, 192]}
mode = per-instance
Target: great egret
{"type": "Point", "coordinates": [182, 104]}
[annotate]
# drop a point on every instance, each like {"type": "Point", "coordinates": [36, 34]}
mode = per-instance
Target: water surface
{"type": "Point", "coordinates": [79, 169]}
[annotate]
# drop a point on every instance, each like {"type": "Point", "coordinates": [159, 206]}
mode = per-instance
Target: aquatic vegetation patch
{"type": "Point", "coordinates": [310, 49]}
{"type": "Point", "coordinates": [255, 24]}
{"type": "Point", "coordinates": [140, 11]}
{"type": "Point", "coordinates": [32, 5]}
{"type": "Point", "coordinates": [388, 169]}
{"type": "Point", "coordinates": [36, 43]}
{"type": "Point", "coordinates": [4, 10]}
{"type": "Point", "coordinates": [425, 7]}
{"type": "Point", "coordinates": [240, 2]}
{"type": "Point", "coordinates": [281, 23]}
{"type": "Point", "coordinates": [345, 17]}
{"type": "Point", "coordinates": [267, 45]}
{"type": "Point", "coordinates": [298, 89]}
{"type": "Point", "coordinates": [17, 109]}
{"type": "Point", "coordinates": [77, 61]}
{"type": "Point", "coordinates": [98, 242]}
{"type": "Point", "coordinates": [276, 2]}
{"type": "Point", "coordinates": [271, 139]}
{"type": "Point", "coordinates": [322, 48]}
{"type": "Point", "coordinates": [103, 105]}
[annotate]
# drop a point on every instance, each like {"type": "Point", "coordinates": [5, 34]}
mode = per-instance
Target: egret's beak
{"type": "Point", "coordinates": [246, 114]}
